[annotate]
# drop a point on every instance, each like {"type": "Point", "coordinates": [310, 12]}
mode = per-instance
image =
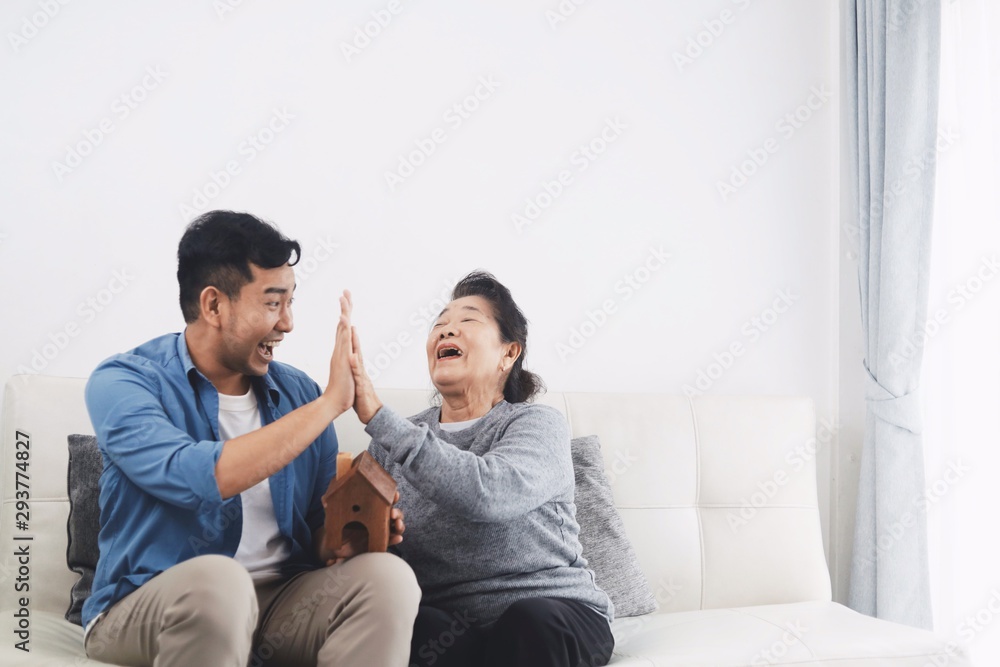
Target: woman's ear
{"type": "Point", "coordinates": [510, 356]}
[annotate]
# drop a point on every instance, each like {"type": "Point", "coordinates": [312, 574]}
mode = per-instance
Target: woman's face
{"type": "Point", "coordinates": [464, 350]}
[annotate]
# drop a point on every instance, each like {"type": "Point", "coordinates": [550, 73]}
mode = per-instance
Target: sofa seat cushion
{"type": "Point", "coordinates": [54, 642]}
{"type": "Point", "coordinates": [804, 633]}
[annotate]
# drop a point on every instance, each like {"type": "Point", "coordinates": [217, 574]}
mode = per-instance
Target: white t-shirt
{"type": "Point", "coordinates": [262, 548]}
{"type": "Point", "coordinates": [451, 427]}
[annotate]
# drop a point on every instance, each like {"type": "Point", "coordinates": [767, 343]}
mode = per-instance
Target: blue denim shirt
{"type": "Point", "coordinates": [157, 423]}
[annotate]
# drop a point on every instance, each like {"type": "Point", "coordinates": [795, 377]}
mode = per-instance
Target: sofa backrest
{"type": "Point", "coordinates": [718, 493]}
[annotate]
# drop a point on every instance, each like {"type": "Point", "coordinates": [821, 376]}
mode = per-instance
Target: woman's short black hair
{"type": "Point", "coordinates": [521, 385]}
{"type": "Point", "coordinates": [217, 250]}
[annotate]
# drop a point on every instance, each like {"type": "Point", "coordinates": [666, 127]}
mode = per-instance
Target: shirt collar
{"type": "Point", "coordinates": [264, 382]}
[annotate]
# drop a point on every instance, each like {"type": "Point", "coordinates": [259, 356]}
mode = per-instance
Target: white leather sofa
{"type": "Point", "coordinates": [734, 589]}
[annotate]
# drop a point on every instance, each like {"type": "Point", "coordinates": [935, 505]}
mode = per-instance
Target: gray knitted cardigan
{"type": "Point", "coordinates": [489, 510]}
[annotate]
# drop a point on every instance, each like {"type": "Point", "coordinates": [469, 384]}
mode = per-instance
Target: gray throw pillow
{"type": "Point", "coordinates": [84, 523]}
{"type": "Point", "coordinates": [606, 547]}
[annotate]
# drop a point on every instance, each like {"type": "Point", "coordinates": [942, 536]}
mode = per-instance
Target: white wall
{"type": "Point", "coordinates": [682, 128]}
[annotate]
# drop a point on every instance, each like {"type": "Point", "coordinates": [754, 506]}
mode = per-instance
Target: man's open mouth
{"type": "Point", "coordinates": [266, 349]}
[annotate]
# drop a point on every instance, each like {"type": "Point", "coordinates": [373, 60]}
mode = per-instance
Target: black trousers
{"type": "Point", "coordinates": [538, 632]}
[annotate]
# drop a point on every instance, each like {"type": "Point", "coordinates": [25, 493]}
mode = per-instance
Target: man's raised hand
{"type": "Point", "coordinates": [340, 388]}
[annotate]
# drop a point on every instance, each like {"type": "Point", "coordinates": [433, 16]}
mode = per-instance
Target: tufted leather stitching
{"type": "Point", "coordinates": [697, 499]}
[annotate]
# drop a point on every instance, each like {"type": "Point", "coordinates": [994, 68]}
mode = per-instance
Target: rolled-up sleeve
{"type": "Point", "coordinates": [134, 431]}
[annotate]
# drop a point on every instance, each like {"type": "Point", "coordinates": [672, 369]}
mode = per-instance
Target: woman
{"type": "Point", "coordinates": [486, 485]}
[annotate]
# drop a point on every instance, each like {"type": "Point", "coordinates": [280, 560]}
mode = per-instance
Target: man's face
{"type": "Point", "coordinates": [253, 324]}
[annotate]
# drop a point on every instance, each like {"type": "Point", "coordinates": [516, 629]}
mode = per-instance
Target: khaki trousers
{"type": "Point", "coordinates": [207, 612]}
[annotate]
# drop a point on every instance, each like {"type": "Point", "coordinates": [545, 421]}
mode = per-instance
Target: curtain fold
{"type": "Point", "coordinates": [893, 52]}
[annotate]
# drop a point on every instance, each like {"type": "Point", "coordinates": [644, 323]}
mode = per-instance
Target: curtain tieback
{"type": "Point", "coordinates": [902, 411]}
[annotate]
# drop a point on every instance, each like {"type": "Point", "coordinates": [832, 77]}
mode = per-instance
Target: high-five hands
{"type": "Point", "coordinates": [349, 386]}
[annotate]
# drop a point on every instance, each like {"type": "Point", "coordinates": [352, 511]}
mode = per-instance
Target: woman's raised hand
{"type": "Point", "coordinates": [366, 402]}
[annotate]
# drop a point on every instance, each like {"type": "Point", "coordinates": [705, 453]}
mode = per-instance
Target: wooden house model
{"type": "Point", "coordinates": [361, 494]}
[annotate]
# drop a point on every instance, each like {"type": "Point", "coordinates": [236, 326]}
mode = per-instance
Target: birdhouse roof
{"type": "Point", "coordinates": [366, 468]}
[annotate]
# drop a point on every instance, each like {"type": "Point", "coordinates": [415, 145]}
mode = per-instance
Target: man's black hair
{"type": "Point", "coordinates": [217, 250]}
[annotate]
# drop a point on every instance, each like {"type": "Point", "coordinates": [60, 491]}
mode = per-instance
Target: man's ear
{"type": "Point", "coordinates": [210, 305]}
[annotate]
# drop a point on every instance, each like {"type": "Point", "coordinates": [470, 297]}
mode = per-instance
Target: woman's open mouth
{"type": "Point", "coordinates": [449, 352]}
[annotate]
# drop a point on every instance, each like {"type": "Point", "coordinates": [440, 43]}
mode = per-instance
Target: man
{"type": "Point", "coordinates": [216, 458]}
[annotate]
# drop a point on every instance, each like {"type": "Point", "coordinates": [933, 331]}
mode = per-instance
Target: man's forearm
{"type": "Point", "coordinates": [249, 459]}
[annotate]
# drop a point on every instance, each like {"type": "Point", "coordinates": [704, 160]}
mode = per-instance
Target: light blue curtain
{"type": "Point", "coordinates": [892, 69]}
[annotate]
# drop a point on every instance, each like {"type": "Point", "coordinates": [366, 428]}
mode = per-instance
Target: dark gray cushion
{"type": "Point", "coordinates": [602, 533]}
{"type": "Point", "coordinates": [85, 466]}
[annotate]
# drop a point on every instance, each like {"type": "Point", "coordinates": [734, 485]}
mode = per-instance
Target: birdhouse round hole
{"type": "Point", "coordinates": [356, 508]}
